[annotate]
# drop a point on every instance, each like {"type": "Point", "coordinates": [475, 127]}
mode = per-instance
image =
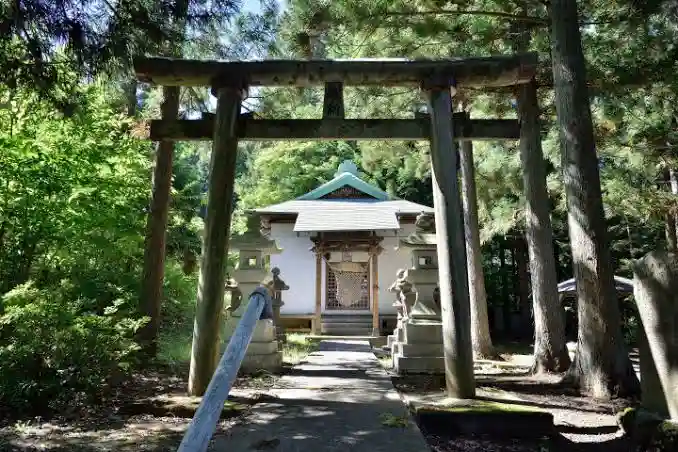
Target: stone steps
{"type": "Point", "coordinates": [346, 324]}
{"type": "Point", "coordinates": [419, 364]}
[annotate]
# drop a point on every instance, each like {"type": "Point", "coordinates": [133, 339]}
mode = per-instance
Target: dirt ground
{"type": "Point", "coordinates": [582, 423]}
{"type": "Point", "coordinates": [150, 412]}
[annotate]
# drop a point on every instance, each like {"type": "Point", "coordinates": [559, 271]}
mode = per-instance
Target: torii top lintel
{"type": "Point", "coordinates": [496, 71]}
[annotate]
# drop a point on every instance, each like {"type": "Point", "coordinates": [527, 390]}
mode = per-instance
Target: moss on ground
{"type": "Point", "coordinates": [648, 430]}
{"type": "Point", "coordinates": [481, 407]}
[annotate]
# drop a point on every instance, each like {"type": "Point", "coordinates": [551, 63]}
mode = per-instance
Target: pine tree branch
{"type": "Point", "coordinates": [470, 12]}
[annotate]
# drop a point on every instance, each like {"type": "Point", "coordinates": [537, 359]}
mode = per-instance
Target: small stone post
{"type": "Point", "coordinates": [278, 287]}
{"type": "Point", "coordinates": [655, 286]}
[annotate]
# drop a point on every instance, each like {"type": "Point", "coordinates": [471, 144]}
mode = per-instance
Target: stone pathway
{"type": "Point", "coordinates": [339, 399]}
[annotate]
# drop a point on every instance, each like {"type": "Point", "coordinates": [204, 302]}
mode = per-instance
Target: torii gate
{"type": "Point", "coordinates": [439, 79]}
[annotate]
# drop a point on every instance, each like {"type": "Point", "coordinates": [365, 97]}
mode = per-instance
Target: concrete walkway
{"type": "Point", "coordinates": [340, 399]}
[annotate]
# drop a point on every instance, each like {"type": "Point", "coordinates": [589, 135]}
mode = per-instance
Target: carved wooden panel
{"type": "Point", "coordinates": [347, 192]}
{"type": "Point", "coordinates": [331, 302]}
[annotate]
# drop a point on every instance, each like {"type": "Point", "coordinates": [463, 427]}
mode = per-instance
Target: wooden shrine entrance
{"type": "Point", "coordinates": [331, 251]}
{"type": "Point", "coordinates": [439, 80]}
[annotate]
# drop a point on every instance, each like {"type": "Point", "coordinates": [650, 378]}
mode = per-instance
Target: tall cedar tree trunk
{"type": "Point", "coordinates": [550, 350]}
{"type": "Point", "coordinates": [480, 327]}
{"type": "Point", "coordinates": [669, 217]}
{"type": "Point", "coordinates": [131, 96]}
{"type": "Point", "coordinates": [156, 225]}
{"type": "Point", "coordinates": [523, 286]}
{"type": "Point", "coordinates": [505, 297]}
{"type": "Point", "coordinates": [601, 365]}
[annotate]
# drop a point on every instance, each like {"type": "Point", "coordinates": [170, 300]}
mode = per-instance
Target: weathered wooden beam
{"type": "Point", "coordinates": [333, 100]}
{"type": "Point", "coordinates": [334, 129]}
{"type": "Point", "coordinates": [466, 72]}
{"type": "Point", "coordinates": [375, 290]}
{"type": "Point", "coordinates": [454, 295]}
{"type": "Point", "coordinates": [316, 325]}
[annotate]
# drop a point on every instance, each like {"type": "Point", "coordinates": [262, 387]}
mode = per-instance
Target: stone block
{"type": "Point", "coordinates": [264, 331]}
{"type": "Point", "coordinates": [419, 276]}
{"type": "Point", "coordinates": [425, 288]}
{"type": "Point", "coordinates": [424, 309]}
{"type": "Point", "coordinates": [271, 362]}
{"type": "Point", "coordinates": [262, 348]}
{"type": "Point", "coordinates": [418, 349]}
{"type": "Point", "coordinates": [423, 332]}
{"type": "Point", "coordinates": [656, 293]}
{"type": "Point", "coordinates": [418, 364]}
{"type": "Point", "coordinates": [250, 275]}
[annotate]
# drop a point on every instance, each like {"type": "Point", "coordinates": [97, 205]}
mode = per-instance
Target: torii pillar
{"type": "Point", "coordinates": [210, 298]}
{"type": "Point", "coordinates": [452, 271]}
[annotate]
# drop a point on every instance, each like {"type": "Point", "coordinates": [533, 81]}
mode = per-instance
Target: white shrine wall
{"type": "Point", "coordinates": [297, 268]}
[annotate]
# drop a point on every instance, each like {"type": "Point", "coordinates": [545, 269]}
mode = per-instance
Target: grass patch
{"type": "Point", "coordinates": [297, 348]}
{"type": "Point", "coordinates": [390, 420]}
{"type": "Point", "coordinates": [386, 362]}
{"type": "Point", "coordinates": [174, 347]}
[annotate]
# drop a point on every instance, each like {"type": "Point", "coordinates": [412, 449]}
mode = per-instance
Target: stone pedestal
{"type": "Point", "coordinates": [418, 348]}
{"type": "Point", "coordinates": [656, 293]}
{"type": "Point", "coordinates": [417, 344]}
{"type": "Point", "coordinates": [263, 352]}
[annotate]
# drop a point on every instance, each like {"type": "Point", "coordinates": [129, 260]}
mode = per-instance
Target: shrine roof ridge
{"type": "Point", "coordinates": [493, 71]}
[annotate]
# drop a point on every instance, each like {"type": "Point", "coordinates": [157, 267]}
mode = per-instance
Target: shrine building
{"type": "Point", "coordinates": [340, 253]}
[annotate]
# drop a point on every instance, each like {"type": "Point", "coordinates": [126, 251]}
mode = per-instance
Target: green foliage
{"type": "Point", "coordinates": [73, 194]}
{"type": "Point", "coordinates": [54, 347]}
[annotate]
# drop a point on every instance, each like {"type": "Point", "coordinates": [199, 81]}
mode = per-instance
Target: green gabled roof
{"type": "Point", "coordinates": [346, 177]}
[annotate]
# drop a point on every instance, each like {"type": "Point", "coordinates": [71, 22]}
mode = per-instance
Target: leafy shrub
{"type": "Point", "coordinates": [179, 293]}
{"type": "Point", "coordinates": [52, 346]}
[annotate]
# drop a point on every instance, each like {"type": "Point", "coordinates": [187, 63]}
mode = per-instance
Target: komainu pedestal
{"type": "Point", "coordinates": [418, 346]}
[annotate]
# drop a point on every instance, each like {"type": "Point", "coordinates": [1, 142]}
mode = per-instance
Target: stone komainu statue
{"type": "Point", "coordinates": [236, 294]}
{"type": "Point", "coordinates": [405, 296]}
{"type": "Point", "coordinates": [425, 223]}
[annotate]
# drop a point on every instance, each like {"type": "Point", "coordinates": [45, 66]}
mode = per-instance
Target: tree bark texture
{"type": "Point", "coordinates": [480, 327]}
{"type": "Point", "coordinates": [655, 281]}
{"type": "Point", "coordinates": [453, 276]}
{"type": "Point", "coordinates": [505, 296]}
{"type": "Point", "coordinates": [210, 300]}
{"type": "Point", "coordinates": [131, 96]}
{"type": "Point", "coordinates": [523, 286]}
{"type": "Point", "coordinates": [670, 217]}
{"type": "Point", "coordinates": [156, 230]}
{"type": "Point", "coordinates": [601, 365]}
{"type": "Point", "coordinates": [550, 350]}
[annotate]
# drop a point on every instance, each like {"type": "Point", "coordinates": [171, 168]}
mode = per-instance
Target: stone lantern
{"type": "Point", "coordinates": [253, 248]}
{"type": "Point", "coordinates": [417, 346]}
